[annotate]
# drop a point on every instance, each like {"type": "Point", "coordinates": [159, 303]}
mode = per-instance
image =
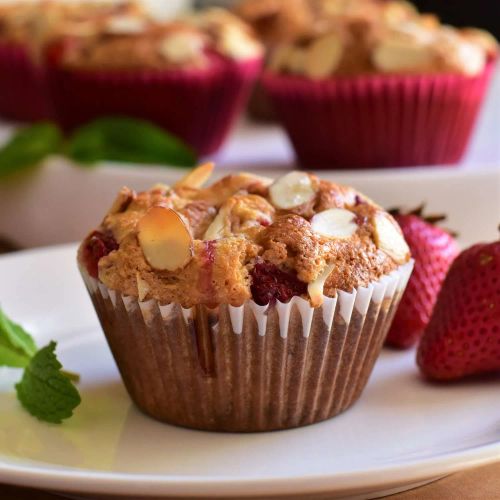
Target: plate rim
{"type": "Point", "coordinates": [92, 481]}
{"type": "Point", "coordinates": [45, 475]}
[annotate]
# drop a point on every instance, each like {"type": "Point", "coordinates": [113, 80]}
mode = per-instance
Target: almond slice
{"type": "Point", "coordinates": [142, 287]}
{"type": "Point", "coordinates": [292, 190]}
{"type": "Point", "coordinates": [160, 187]}
{"type": "Point", "coordinates": [389, 238]}
{"type": "Point", "coordinates": [323, 56]}
{"type": "Point", "coordinates": [315, 288]}
{"type": "Point", "coordinates": [279, 58]}
{"type": "Point", "coordinates": [165, 239]}
{"type": "Point", "coordinates": [124, 197]}
{"type": "Point", "coordinates": [217, 228]}
{"type": "Point", "coordinates": [182, 46]}
{"type": "Point", "coordinates": [335, 223]}
{"type": "Point", "coordinates": [296, 60]}
{"type": "Point", "coordinates": [265, 181]}
{"type": "Point", "coordinates": [228, 186]}
{"type": "Point", "coordinates": [197, 177]}
{"type": "Point", "coordinates": [125, 25]}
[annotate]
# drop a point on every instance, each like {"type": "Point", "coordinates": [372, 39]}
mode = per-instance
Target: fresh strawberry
{"type": "Point", "coordinates": [463, 336]}
{"type": "Point", "coordinates": [433, 249]}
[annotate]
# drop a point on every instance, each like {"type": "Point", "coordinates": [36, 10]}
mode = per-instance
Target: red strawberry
{"type": "Point", "coordinates": [463, 336]}
{"type": "Point", "coordinates": [433, 249]}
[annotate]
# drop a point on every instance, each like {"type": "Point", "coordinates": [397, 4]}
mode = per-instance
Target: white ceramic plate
{"type": "Point", "coordinates": [403, 430]}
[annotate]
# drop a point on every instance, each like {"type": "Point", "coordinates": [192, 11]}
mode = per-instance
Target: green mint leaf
{"type": "Point", "coordinates": [29, 146]}
{"type": "Point", "coordinates": [16, 345]}
{"type": "Point", "coordinates": [12, 357]}
{"type": "Point", "coordinates": [44, 390]}
{"type": "Point", "coordinates": [128, 140]}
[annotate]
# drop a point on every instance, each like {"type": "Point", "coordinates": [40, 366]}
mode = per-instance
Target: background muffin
{"type": "Point", "coordinates": [190, 76]}
{"type": "Point", "coordinates": [21, 82]}
{"type": "Point", "coordinates": [379, 85]}
{"type": "Point", "coordinates": [247, 305]}
{"type": "Point", "coordinates": [25, 27]}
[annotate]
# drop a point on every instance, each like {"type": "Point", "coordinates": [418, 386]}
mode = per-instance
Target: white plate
{"type": "Point", "coordinates": [402, 431]}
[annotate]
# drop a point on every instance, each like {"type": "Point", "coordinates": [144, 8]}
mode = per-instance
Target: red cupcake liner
{"type": "Point", "coordinates": [198, 106]}
{"type": "Point", "coordinates": [380, 120]}
{"type": "Point", "coordinates": [22, 89]}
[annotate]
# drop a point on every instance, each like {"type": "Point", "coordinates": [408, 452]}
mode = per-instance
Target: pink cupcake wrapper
{"type": "Point", "coordinates": [378, 120]}
{"type": "Point", "coordinates": [248, 368]}
{"type": "Point", "coordinates": [198, 106]}
{"type": "Point", "coordinates": [23, 94]}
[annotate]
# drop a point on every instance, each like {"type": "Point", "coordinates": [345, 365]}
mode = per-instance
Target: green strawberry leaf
{"type": "Point", "coordinates": [44, 390]}
{"type": "Point", "coordinates": [16, 345]}
{"type": "Point", "coordinates": [128, 140]}
{"type": "Point", "coordinates": [29, 146]}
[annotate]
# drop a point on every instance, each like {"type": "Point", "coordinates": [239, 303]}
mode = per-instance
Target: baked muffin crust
{"type": "Point", "coordinates": [236, 228]}
{"type": "Point", "coordinates": [352, 37]}
{"type": "Point", "coordinates": [131, 42]}
{"type": "Point", "coordinates": [35, 23]}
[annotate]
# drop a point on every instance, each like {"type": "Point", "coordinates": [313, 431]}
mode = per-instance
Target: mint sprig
{"type": "Point", "coordinates": [128, 140]}
{"type": "Point", "coordinates": [45, 390]}
{"type": "Point", "coordinates": [115, 139]}
{"type": "Point", "coordinates": [16, 345]}
{"type": "Point", "coordinates": [29, 146]}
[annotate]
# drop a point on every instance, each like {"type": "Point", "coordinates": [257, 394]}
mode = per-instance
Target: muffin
{"type": "Point", "coordinates": [24, 28]}
{"type": "Point", "coordinates": [275, 22]}
{"type": "Point", "coordinates": [21, 84]}
{"type": "Point", "coordinates": [377, 84]}
{"type": "Point", "coordinates": [190, 76]}
{"type": "Point", "coordinates": [248, 305]}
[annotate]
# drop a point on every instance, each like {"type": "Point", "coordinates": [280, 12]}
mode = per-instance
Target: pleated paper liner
{"type": "Point", "coordinates": [198, 106]}
{"type": "Point", "coordinates": [378, 120]}
{"type": "Point", "coordinates": [23, 94]}
{"type": "Point", "coordinates": [249, 368]}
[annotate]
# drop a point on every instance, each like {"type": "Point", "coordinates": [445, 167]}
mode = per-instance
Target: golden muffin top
{"type": "Point", "coordinates": [130, 41]}
{"type": "Point", "coordinates": [243, 237]}
{"type": "Point", "coordinates": [34, 23]}
{"type": "Point", "coordinates": [322, 38]}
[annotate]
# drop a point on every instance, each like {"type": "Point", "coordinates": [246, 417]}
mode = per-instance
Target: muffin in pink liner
{"type": "Point", "coordinates": [25, 28]}
{"type": "Point", "coordinates": [22, 91]}
{"type": "Point", "coordinates": [379, 121]}
{"type": "Point", "coordinates": [371, 92]}
{"type": "Point", "coordinates": [190, 76]}
{"type": "Point", "coordinates": [249, 305]}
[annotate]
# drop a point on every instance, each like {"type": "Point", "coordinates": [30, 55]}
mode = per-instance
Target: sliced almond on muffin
{"type": "Point", "coordinates": [197, 177]}
{"type": "Point", "coordinates": [324, 56]}
{"type": "Point", "coordinates": [389, 238]}
{"type": "Point", "coordinates": [165, 239]}
{"type": "Point", "coordinates": [335, 223]}
{"type": "Point", "coordinates": [292, 190]}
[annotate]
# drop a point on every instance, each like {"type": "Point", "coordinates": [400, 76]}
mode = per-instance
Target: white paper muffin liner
{"type": "Point", "coordinates": [248, 368]}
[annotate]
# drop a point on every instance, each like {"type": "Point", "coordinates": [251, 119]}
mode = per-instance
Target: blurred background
{"type": "Point", "coordinates": [59, 201]}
